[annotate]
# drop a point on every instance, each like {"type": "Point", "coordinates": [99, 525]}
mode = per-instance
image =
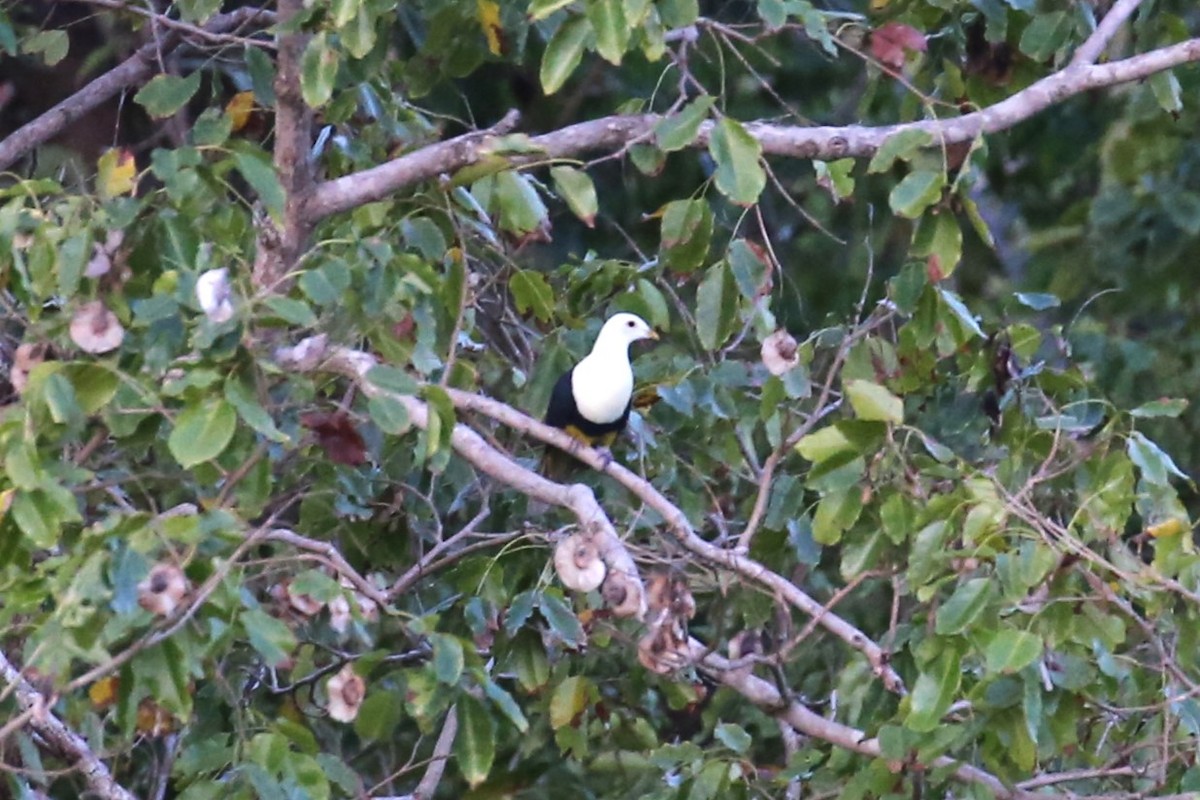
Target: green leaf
{"type": "Point", "coordinates": [259, 172]}
{"type": "Point", "coordinates": [202, 432]}
{"type": "Point", "coordinates": [389, 414]}
{"type": "Point", "coordinates": [563, 53]}
{"type": "Point", "coordinates": [72, 256]}
{"type": "Point", "coordinates": [934, 692]}
{"type": "Point", "coordinates": [475, 744]}
{"type": "Point", "coordinates": [532, 665]}
{"type": "Point", "coordinates": [1037, 301]}
{"type": "Point", "coordinates": [1165, 407]}
{"type": "Point", "coordinates": [198, 10]}
{"type": "Point", "coordinates": [507, 705]}
{"type": "Point", "coordinates": [679, 13]}
{"type": "Point", "coordinates": [166, 94]}
{"type": "Point", "coordinates": [836, 512]}
{"type": "Point", "coordinates": [359, 34]}
{"type": "Point", "coordinates": [52, 44]}
{"type": "Point", "coordinates": [716, 306]}
{"type": "Point", "coordinates": [939, 240]}
{"type": "Point", "coordinates": [1045, 34]}
{"type": "Point", "coordinates": [739, 175]}
{"type": "Point", "coordinates": [244, 401]}
{"type": "Point", "coordinates": [59, 395]}
{"type": "Point", "coordinates": [874, 402]}
{"type": "Point", "coordinates": [903, 145]}
{"type": "Point", "coordinates": [520, 208]}
{"type": "Point", "coordinates": [318, 70]}
{"type": "Point", "coordinates": [262, 75]}
{"type": "Point", "coordinates": [574, 186]}
{"type": "Point", "coordinates": [824, 444]}
{"type": "Point", "coordinates": [680, 129]}
{"type": "Point", "coordinates": [687, 229]}
{"type": "Point", "coordinates": [836, 177]}
{"type": "Point", "coordinates": [531, 292]}
{"type": "Point", "coordinates": [562, 620]}
{"type": "Point", "coordinates": [918, 191]}
{"type": "Point", "coordinates": [964, 606]}
{"type": "Point", "coordinates": [95, 385]}
{"type": "Point", "coordinates": [288, 309]}
{"type": "Point", "coordinates": [961, 312]}
{"type": "Point", "coordinates": [1167, 91]}
{"type": "Point", "coordinates": [611, 28]}
{"type": "Point", "coordinates": [1012, 651]}
{"type": "Point", "coordinates": [1152, 460]}
{"type": "Point", "coordinates": [392, 379]}
{"type": "Point", "coordinates": [733, 736]}
{"type": "Point", "coordinates": [569, 700]}
{"type": "Point", "coordinates": [540, 9]}
{"type": "Point", "coordinates": [711, 783]}
{"type": "Point", "coordinates": [35, 517]}
{"type": "Point", "coordinates": [271, 638]}
{"type": "Point", "coordinates": [447, 658]}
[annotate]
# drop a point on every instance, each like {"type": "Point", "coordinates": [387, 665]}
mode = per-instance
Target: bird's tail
{"type": "Point", "coordinates": [557, 465]}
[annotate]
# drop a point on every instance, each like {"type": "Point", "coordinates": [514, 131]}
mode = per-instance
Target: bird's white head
{"type": "Point", "coordinates": [622, 330]}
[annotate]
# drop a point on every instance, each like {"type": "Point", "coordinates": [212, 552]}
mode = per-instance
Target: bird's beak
{"type": "Point", "coordinates": [652, 334]}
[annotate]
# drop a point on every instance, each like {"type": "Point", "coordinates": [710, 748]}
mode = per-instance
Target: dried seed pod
{"type": "Point", "coordinates": [346, 691]}
{"type": "Point", "coordinates": [301, 603]}
{"type": "Point", "coordinates": [27, 356]}
{"type": "Point", "coordinates": [624, 595]}
{"type": "Point", "coordinates": [779, 352]}
{"type": "Point", "coordinates": [664, 650]}
{"type": "Point", "coordinates": [578, 564]}
{"type": "Point", "coordinates": [96, 329]}
{"type": "Point", "coordinates": [162, 590]}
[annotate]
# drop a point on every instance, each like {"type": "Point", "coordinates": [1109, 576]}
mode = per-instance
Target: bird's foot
{"type": "Point", "coordinates": [606, 457]}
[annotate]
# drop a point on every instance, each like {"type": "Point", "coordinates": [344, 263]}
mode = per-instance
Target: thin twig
{"type": "Point", "coordinates": [59, 737]}
{"type": "Point", "coordinates": [1094, 45]}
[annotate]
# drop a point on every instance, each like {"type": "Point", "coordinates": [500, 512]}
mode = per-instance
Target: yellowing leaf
{"type": "Point", "coordinates": [117, 173]}
{"type": "Point", "coordinates": [239, 109]}
{"type": "Point", "coordinates": [568, 702]}
{"type": "Point", "coordinates": [103, 693]}
{"type": "Point", "coordinates": [1170, 527]}
{"type": "Point", "coordinates": [488, 14]}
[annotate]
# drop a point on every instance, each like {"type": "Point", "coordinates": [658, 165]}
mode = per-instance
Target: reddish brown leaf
{"type": "Point", "coordinates": [891, 43]}
{"type": "Point", "coordinates": [337, 436]}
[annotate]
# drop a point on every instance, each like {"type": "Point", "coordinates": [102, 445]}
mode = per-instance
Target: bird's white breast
{"type": "Point", "coordinates": [602, 387]}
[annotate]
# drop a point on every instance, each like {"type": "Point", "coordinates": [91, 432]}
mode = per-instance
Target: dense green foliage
{"type": "Point", "coordinates": [979, 455]}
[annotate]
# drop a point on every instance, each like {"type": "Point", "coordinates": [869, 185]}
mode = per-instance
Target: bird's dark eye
{"type": "Point", "coordinates": [631, 323]}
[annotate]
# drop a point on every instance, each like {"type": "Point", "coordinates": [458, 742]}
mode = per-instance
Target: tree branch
{"type": "Point", "coordinates": [136, 69]}
{"type": "Point", "coordinates": [767, 697]}
{"type": "Point", "coordinates": [442, 158]}
{"type": "Point", "coordinates": [1091, 49]}
{"type": "Point", "coordinates": [681, 529]}
{"type": "Point", "coordinates": [578, 498]}
{"type": "Point", "coordinates": [293, 138]}
{"type": "Point", "coordinates": [65, 742]}
{"type": "Point", "coordinates": [822, 142]}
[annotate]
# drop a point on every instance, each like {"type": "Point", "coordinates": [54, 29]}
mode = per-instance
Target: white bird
{"type": "Point", "coordinates": [591, 401]}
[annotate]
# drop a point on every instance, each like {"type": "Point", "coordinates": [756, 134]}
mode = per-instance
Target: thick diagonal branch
{"type": "Point", "coordinates": [767, 697]}
{"type": "Point", "coordinates": [824, 142]}
{"type": "Point", "coordinates": [136, 69]}
{"type": "Point", "coordinates": [58, 736]}
{"type": "Point", "coordinates": [469, 445]}
{"type": "Point", "coordinates": [681, 529]}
